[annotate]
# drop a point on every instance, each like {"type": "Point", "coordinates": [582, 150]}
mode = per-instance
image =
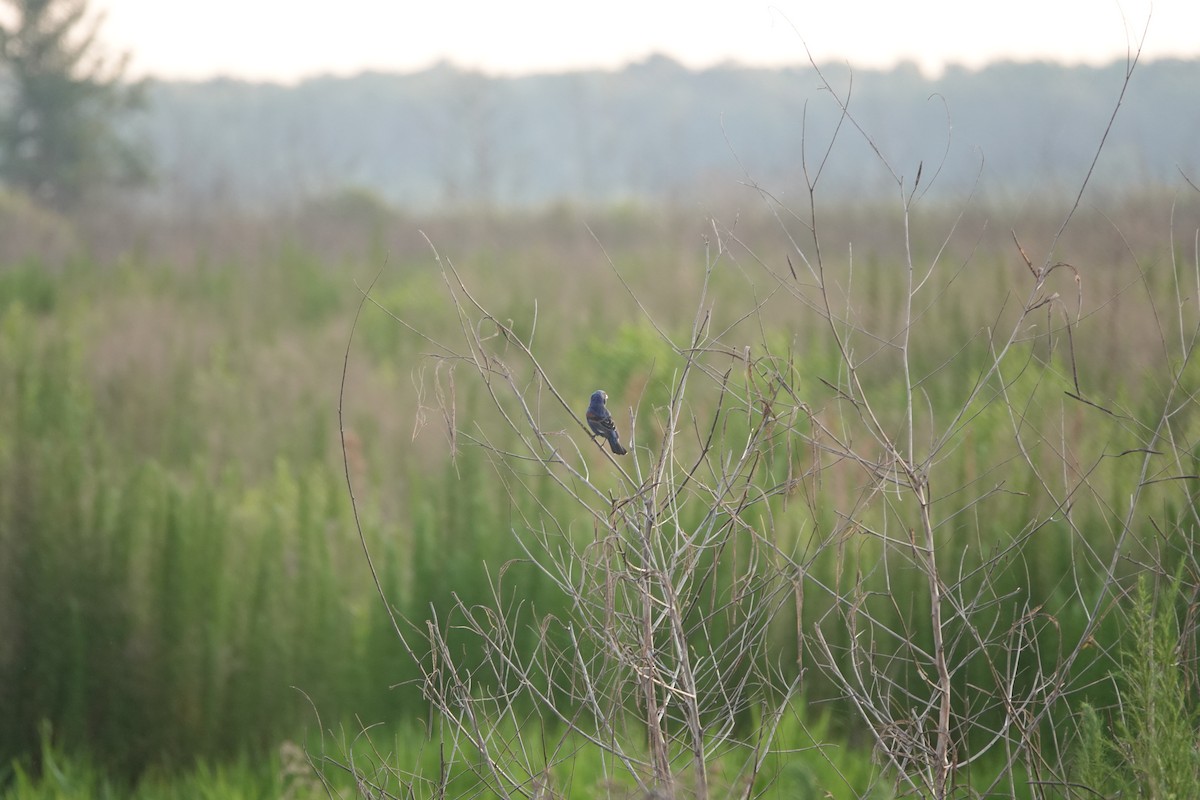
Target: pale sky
{"type": "Point", "coordinates": [286, 40]}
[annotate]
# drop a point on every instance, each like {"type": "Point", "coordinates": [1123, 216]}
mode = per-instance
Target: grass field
{"type": "Point", "coordinates": [184, 601]}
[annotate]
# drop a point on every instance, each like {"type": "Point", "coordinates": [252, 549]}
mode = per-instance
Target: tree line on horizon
{"type": "Point", "coordinates": [75, 129]}
{"type": "Point", "coordinates": [657, 131]}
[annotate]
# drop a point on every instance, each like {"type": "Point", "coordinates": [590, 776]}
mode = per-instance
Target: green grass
{"type": "Point", "coordinates": [181, 582]}
{"type": "Point", "coordinates": [404, 760]}
{"type": "Point", "coordinates": [1149, 749]}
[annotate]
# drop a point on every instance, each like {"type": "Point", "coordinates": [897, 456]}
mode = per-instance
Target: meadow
{"type": "Point", "coordinates": [185, 604]}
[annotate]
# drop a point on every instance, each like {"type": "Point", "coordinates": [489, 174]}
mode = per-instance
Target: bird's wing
{"type": "Point", "coordinates": [604, 420]}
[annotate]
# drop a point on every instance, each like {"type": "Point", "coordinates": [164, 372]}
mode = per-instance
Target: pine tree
{"type": "Point", "coordinates": [60, 98]}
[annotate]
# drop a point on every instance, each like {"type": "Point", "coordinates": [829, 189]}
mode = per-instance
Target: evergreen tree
{"type": "Point", "coordinates": [60, 98]}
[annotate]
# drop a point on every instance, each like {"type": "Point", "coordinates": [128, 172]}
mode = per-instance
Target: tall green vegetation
{"type": "Point", "coordinates": [1149, 749]}
{"type": "Point", "coordinates": [177, 550]}
{"type": "Point", "coordinates": [167, 578]}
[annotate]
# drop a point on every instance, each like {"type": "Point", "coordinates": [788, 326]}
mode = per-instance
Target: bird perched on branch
{"type": "Point", "coordinates": [601, 422]}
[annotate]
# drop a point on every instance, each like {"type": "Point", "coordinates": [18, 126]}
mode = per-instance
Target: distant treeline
{"type": "Point", "coordinates": [656, 130]}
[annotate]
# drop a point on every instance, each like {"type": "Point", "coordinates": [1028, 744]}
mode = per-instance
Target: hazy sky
{"type": "Point", "coordinates": [291, 39]}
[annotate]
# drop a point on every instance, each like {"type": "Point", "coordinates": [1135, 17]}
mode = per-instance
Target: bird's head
{"type": "Point", "coordinates": [600, 396]}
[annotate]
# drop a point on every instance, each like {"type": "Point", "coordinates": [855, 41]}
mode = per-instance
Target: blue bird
{"type": "Point", "coordinates": [601, 422]}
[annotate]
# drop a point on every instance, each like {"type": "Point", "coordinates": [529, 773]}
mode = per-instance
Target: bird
{"type": "Point", "coordinates": [601, 422]}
